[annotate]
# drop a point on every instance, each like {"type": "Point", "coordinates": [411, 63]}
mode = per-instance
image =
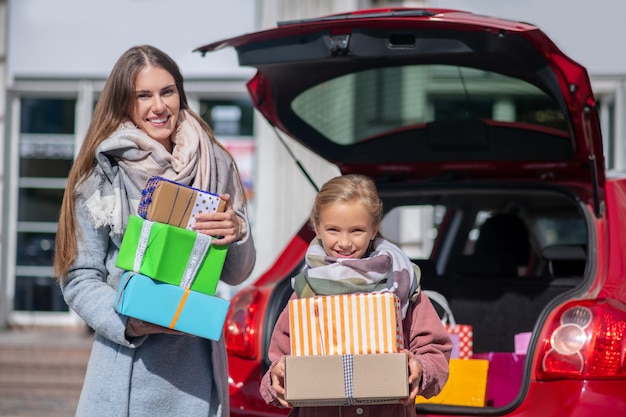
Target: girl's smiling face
{"type": "Point", "coordinates": [346, 229]}
{"type": "Point", "coordinates": [156, 104]}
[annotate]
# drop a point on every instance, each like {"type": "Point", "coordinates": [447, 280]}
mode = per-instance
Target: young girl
{"type": "Point", "coordinates": [347, 256]}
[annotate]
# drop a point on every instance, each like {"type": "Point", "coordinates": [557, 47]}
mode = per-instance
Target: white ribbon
{"type": "Point", "coordinates": [199, 251]}
{"type": "Point", "coordinates": [142, 244]}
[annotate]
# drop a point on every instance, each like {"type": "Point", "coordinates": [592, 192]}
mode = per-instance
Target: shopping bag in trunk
{"type": "Point", "coordinates": [466, 385]}
{"type": "Point", "coordinates": [461, 334]}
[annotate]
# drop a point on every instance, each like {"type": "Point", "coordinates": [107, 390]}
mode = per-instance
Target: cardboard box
{"type": "Point", "coordinates": [170, 254]}
{"type": "Point", "coordinates": [172, 203]}
{"type": "Point", "coordinates": [346, 379]}
{"type": "Point", "coordinates": [363, 323]}
{"type": "Point", "coordinates": [171, 306]}
{"type": "Point", "coordinates": [466, 385]}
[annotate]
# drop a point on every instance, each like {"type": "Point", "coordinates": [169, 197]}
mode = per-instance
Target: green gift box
{"type": "Point", "coordinates": [172, 255]}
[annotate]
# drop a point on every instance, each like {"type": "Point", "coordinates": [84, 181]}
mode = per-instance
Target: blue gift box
{"type": "Point", "coordinates": [171, 306]}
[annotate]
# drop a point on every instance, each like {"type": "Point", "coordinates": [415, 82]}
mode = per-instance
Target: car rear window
{"type": "Point", "coordinates": [360, 106]}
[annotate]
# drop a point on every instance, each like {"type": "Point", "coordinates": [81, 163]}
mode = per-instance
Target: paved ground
{"type": "Point", "coordinates": [41, 371]}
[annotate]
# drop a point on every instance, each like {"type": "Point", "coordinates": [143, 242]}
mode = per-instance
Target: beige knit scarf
{"type": "Point", "coordinates": [126, 160]}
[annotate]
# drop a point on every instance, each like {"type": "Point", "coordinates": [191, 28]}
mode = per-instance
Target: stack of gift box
{"type": "Point", "coordinates": [346, 350]}
{"type": "Point", "coordinates": [171, 271]}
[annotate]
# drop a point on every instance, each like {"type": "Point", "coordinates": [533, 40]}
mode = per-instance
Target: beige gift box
{"type": "Point", "coordinates": [346, 379]}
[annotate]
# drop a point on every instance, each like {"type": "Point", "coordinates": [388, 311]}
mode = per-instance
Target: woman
{"type": "Point", "coordinates": [142, 126]}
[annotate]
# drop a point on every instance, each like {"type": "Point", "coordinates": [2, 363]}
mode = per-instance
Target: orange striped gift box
{"type": "Point", "coordinates": [356, 324]}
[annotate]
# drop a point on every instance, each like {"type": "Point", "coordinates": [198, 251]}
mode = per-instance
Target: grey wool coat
{"type": "Point", "coordinates": [155, 375]}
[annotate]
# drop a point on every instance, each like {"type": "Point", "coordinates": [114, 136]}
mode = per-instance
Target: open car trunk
{"type": "Point", "coordinates": [501, 257]}
{"type": "Point", "coordinates": [484, 142]}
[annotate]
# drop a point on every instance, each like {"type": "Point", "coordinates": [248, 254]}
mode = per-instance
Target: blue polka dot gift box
{"type": "Point", "coordinates": [169, 202]}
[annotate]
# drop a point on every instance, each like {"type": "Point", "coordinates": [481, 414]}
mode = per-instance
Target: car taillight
{"type": "Point", "coordinates": [586, 341]}
{"type": "Point", "coordinates": [241, 324]}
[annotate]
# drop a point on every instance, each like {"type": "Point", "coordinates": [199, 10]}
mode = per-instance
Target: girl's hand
{"type": "Point", "coordinates": [277, 375]}
{"type": "Point", "coordinates": [415, 377]}
{"type": "Point", "coordinates": [225, 227]}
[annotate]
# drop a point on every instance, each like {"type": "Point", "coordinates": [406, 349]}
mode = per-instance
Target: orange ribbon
{"type": "Point", "coordinates": [180, 308]}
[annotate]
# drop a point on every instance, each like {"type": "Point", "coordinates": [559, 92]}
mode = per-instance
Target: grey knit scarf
{"type": "Point", "coordinates": [385, 269]}
{"type": "Point", "coordinates": [125, 161]}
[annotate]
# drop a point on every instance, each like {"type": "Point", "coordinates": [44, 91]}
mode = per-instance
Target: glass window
{"type": "Point", "coordinates": [46, 137]}
{"type": "Point", "coordinates": [39, 204]}
{"type": "Point", "coordinates": [38, 294]}
{"type": "Point", "coordinates": [473, 234]}
{"type": "Point", "coordinates": [562, 231]}
{"type": "Point", "coordinates": [46, 153]}
{"type": "Point", "coordinates": [358, 107]}
{"type": "Point", "coordinates": [48, 115]}
{"type": "Point", "coordinates": [35, 249]}
{"type": "Point", "coordinates": [549, 231]}
{"type": "Point", "coordinates": [229, 117]}
{"type": "Point", "coordinates": [413, 228]}
{"type": "Point", "coordinates": [45, 167]}
{"type": "Point", "coordinates": [455, 107]}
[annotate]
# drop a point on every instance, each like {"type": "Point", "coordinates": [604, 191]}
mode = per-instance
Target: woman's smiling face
{"type": "Point", "coordinates": [346, 230]}
{"type": "Point", "coordinates": [156, 104]}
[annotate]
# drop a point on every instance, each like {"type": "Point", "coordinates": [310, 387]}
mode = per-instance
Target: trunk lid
{"type": "Point", "coordinates": [429, 95]}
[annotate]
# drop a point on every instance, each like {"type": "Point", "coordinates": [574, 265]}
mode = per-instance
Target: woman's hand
{"type": "Point", "coordinates": [225, 227]}
{"type": "Point", "coordinates": [415, 377]}
{"type": "Point", "coordinates": [277, 376]}
{"type": "Point", "coordinates": [136, 328]}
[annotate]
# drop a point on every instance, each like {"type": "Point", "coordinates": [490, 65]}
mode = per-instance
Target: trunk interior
{"type": "Point", "coordinates": [501, 257]}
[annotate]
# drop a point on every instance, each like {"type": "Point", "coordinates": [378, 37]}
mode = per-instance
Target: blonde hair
{"type": "Point", "coordinates": [346, 189]}
{"type": "Point", "coordinates": [113, 108]}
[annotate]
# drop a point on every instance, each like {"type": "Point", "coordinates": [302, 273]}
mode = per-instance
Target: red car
{"type": "Point", "coordinates": [484, 141]}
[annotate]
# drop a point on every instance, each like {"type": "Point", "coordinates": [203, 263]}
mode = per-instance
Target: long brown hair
{"type": "Point", "coordinates": [113, 108]}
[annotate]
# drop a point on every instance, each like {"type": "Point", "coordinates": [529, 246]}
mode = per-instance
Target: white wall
{"type": "Point", "coordinates": [76, 38]}
{"type": "Point", "coordinates": [591, 32]}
